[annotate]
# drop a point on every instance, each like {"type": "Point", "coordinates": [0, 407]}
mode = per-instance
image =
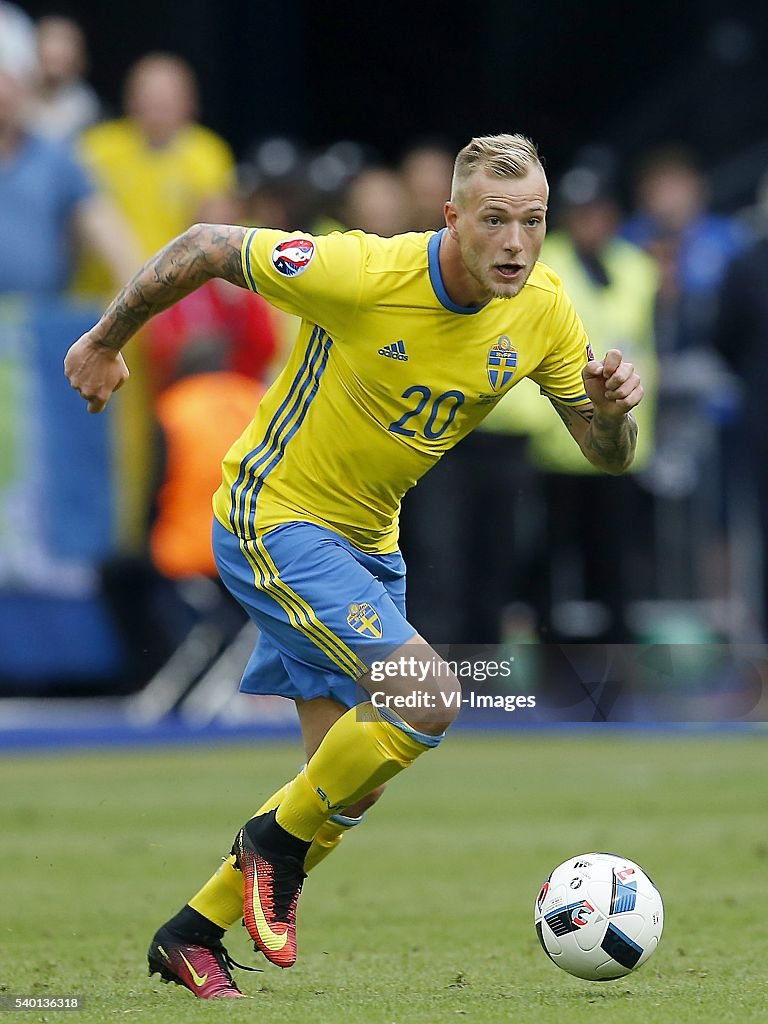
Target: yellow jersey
{"type": "Point", "coordinates": [157, 190]}
{"type": "Point", "coordinates": [386, 375]}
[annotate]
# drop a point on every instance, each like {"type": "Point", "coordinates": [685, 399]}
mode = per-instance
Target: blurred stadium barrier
{"type": "Point", "coordinates": [57, 503]}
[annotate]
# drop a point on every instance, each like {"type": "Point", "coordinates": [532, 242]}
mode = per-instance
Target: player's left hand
{"type": "Point", "coordinates": [613, 386]}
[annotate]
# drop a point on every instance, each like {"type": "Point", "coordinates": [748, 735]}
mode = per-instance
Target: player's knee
{"type": "Point", "coordinates": [419, 686]}
{"type": "Point", "coordinates": [449, 696]}
{"type": "Point", "coordinates": [443, 693]}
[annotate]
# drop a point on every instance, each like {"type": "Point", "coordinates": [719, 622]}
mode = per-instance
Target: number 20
{"type": "Point", "coordinates": [455, 397]}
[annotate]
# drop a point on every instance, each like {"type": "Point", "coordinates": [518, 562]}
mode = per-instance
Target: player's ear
{"type": "Point", "coordinates": [451, 216]}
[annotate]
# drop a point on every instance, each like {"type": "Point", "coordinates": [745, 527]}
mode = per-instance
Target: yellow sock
{"type": "Point", "coordinates": [386, 751]}
{"type": "Point", "coordinates": [221, 898]}
{"type": "Point", "coordinates": [364, 748]}
{"type": "Point", "coordinates": [327, 839]}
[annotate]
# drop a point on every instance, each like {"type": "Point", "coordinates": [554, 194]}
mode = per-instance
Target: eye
{"type": "Point", "coordinates": [493, 220]}
{"type": "Point", "coordinates": [534, 222]}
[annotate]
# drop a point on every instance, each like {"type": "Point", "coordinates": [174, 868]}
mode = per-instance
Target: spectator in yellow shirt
{"type": "Point", "coordinates": [157, 164]}
{"type": "Point", "coordinates": [159, 167]}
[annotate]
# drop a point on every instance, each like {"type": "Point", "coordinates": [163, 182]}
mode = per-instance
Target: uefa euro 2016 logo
{"type": "Point", "coordinates": [502, 363]}
{"type": "Point", "coordinates": [292, 257]}
{"type": "Point", "coordinates": [364, 619]}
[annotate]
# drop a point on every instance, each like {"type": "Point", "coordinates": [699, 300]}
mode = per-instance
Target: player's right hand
{"type": "Point", "coordinates": [94, 371]}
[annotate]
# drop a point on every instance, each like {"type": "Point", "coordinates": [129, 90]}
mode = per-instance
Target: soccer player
{"type": "Point", "coordinates": [405, 344]}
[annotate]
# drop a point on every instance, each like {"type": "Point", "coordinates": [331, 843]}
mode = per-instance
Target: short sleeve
{"type": "Point", "coordinates": [317, 278]}
{"type": "Point", "coordinates": [559, 373]}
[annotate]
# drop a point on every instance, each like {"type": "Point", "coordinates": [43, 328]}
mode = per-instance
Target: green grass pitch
{"type": "Point", "coordinates": [425, 914]}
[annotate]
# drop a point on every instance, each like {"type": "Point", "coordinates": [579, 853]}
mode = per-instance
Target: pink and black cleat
{"type": "Point", "coordinates": [204, 970]}
{"type": "Point", "coordinates": [272, 888]}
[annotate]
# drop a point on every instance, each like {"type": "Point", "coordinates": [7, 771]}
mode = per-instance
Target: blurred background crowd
{"type": "Point", "coordinates": [105, 562]}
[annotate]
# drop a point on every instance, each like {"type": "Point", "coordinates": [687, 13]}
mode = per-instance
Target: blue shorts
{"type": "Point", "coordinates": [325, 609]}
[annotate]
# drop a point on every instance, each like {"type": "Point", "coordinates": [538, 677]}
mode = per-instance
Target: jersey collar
{"type": "Point", "coordinates": [436, 278]}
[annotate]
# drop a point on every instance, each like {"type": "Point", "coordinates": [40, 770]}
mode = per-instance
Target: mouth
{"type": "Point", "coordinates": [509, 271]}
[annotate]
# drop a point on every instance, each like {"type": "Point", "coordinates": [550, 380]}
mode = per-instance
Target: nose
{"type": "Point", "coordinates": [513, 238]}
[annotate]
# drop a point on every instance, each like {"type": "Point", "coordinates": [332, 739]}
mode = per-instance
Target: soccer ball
{"type": "Point", "coordinates": [598, 916]}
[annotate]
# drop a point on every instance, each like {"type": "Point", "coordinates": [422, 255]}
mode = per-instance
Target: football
{"type": "Point", "coordinates": [598, 916]}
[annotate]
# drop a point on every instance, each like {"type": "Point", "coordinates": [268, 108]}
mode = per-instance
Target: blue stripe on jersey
{"type": "Point", "coordinates": [567, 401]}
{"type": "Point", "coordinates": [247, 261]}
{"type": "Point", "coordinates": [267, 441]}
{"type": "Point", "coordinates": [436, 278]}
{"type": "Point", "coordinates": [280, 451]}
{"type": "Point", "coordinates": [268, 447]}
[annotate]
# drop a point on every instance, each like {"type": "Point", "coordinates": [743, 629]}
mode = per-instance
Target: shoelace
{"type": "Point", "coordinates": [226, 962]}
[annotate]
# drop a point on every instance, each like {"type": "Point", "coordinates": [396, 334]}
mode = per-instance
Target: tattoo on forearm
{"type": "Point", "coordinates": [203, 252]}
{"type": "Point", "coordinates": [571, 416]}
{"type": "Point", "coordinates": [612, 446]}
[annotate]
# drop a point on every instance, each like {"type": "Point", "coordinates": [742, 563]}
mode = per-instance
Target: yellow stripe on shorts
{"type": "Point", "coordinates": [300, 613]}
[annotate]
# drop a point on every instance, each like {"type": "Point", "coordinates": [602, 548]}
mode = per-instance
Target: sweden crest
{"type": "Point", "coordinates": [502, 363]}
{"type": "Point", "coordinates": [364, 619]}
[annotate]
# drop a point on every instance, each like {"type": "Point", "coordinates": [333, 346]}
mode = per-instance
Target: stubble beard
{"type": "Point", "coordinates": [492, 288]}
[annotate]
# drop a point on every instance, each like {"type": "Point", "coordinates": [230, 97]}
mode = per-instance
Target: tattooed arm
{"type": "Point", "coordinates": [606, 431]}
{"type": "Point", "coordinates": [608, 444]}
{"type": "Point", "coordinates": [93, 365]}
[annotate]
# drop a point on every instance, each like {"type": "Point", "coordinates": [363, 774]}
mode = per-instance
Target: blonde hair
{"type": "Point", "coordinates": [506, 156]}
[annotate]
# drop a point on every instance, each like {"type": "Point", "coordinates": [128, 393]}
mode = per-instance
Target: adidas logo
{"type": "Point", "coordinates": [395, 351]}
